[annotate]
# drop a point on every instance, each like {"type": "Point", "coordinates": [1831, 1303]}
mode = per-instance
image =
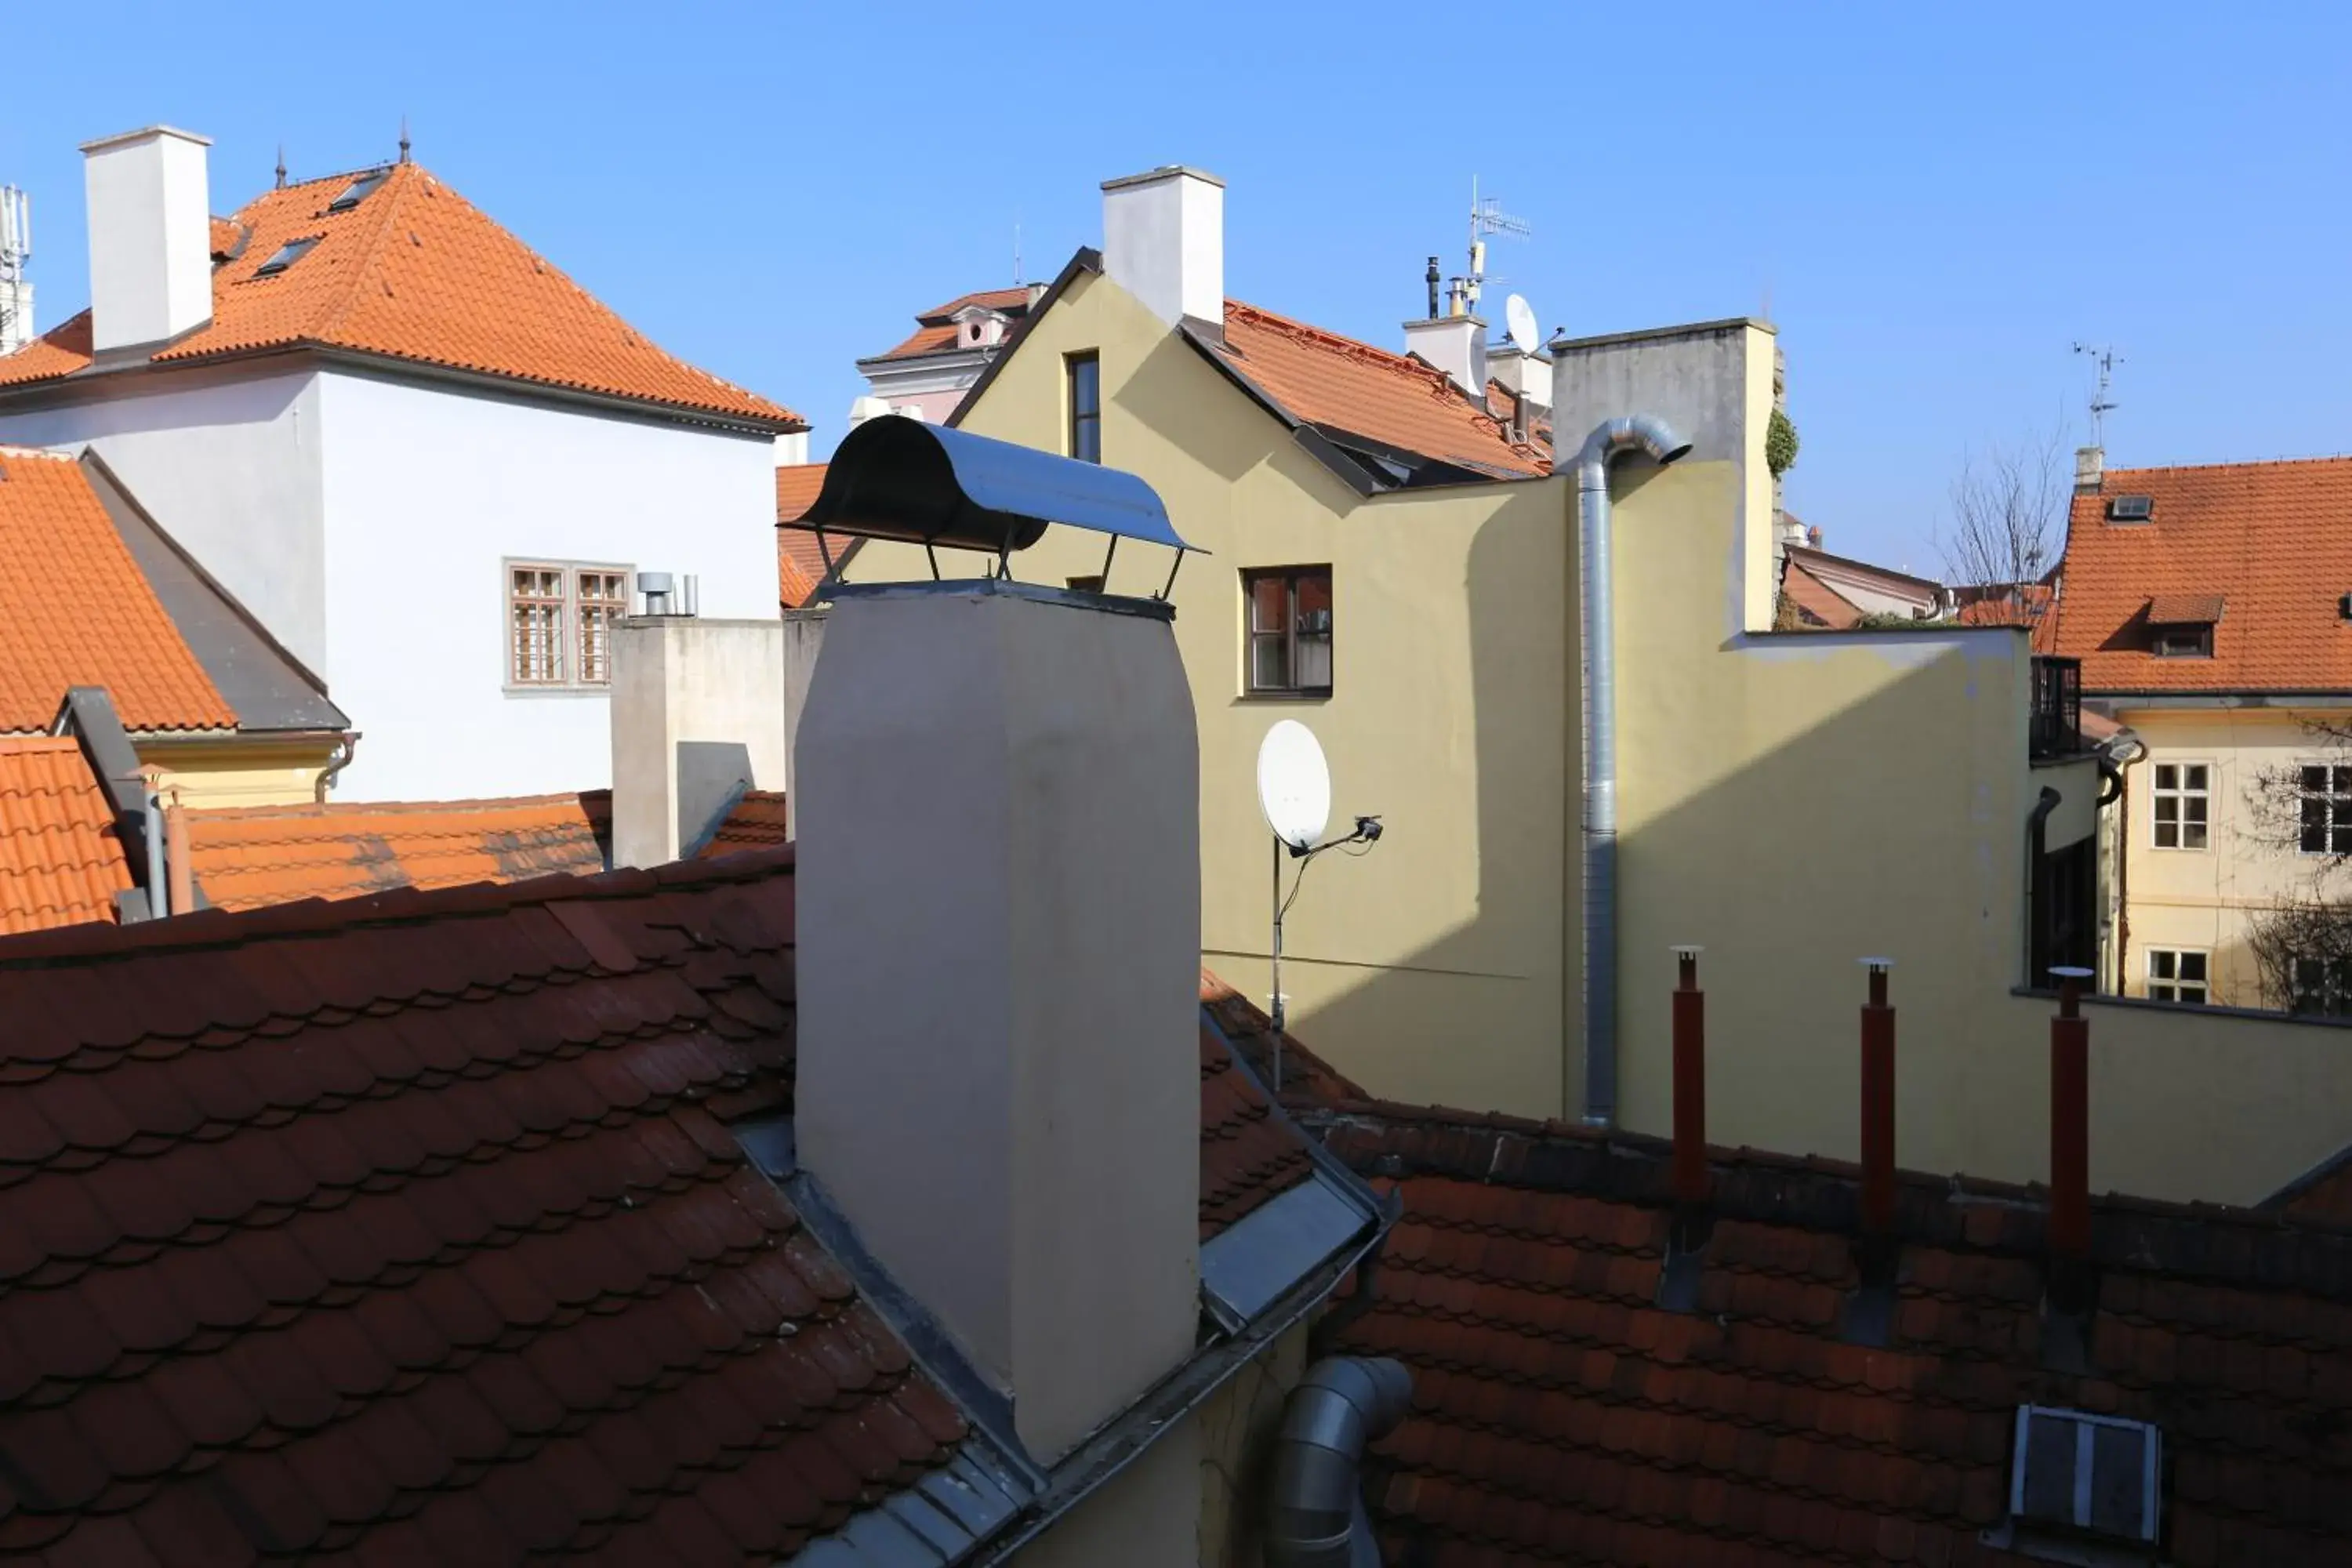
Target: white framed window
{"type": "Point", "coordinates": [2179, 975]}
{"type": "Point", "coordinates": [2327, 807]}
{"type": "Point", "coordinates": [2323, 987]}
{"type": "Point", "coordinates": [560, 617]}
{"type": "Point", "coordinates": [2183, 802]}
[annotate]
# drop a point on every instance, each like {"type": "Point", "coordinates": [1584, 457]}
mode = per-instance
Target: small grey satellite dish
{"type": "Point", "coordinates": [1519, 321]}
{"type": "Point", "coordinates": [1294, 785]}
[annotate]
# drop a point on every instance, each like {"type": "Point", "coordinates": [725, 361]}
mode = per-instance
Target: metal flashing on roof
{"type": "Point", "coordinates": [941, 1519]}
{"type": "Point", "coordinates": [1257, 1260]}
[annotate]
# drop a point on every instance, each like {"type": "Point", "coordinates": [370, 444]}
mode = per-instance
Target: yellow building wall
{"type": "Point", "coordinates": [1793, 803]}
{"type": "Point", "coordinates": [226, 774]}
{"type": "Point", "coordinates": [2201, 900]}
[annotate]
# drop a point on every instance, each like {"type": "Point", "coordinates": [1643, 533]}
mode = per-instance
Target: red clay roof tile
{"type": "Point", "coordinates": [246, 856]}
{"type": "Point", "coordinates": [1348, 386]}
{"type": "Point", "coordinates": [800, 561]}
{"type": "Point", "coordinates": [756, 821]}
{"type": "Point", "coordinates": [75, 610]}
{"type": "Point", "coordinates": [2271, 540]}
{"type": "Point", "coordinates": [61, 861]}
{"type": "Point", "coordinates": [1559, 1412]}
{"type": "Point", "coordinates": [414, 271]}
{"type": "Point", "coordinates": [936, 327]}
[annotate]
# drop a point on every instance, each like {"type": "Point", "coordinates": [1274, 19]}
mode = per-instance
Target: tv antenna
{"type": "Point", "coordinates": [2105, 359]}
{"type": "Point", "coordinates": [1294, 790]}
{"type": "Point", "coordinates": [1487, 217]}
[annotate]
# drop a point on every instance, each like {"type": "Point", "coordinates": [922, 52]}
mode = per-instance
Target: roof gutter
{"type": "Point", "coordinates": [1610, 439]}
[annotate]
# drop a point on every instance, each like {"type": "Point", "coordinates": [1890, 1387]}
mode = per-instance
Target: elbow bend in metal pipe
{"type": "Point", "coordinates": [1316, 1514]}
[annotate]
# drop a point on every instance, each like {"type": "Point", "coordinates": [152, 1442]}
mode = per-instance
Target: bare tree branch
{"type": "Point", "coordinates": [2007, 515]}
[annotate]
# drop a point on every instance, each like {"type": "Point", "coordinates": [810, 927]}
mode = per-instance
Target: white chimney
{"type": "Point", "coordinates": [151, 262]}
{"type": "Point", "coordinates": [999, 924]}
{"type": "Point", "coordinates": [1164, 242]}
{"type": "Point", "coordinates": [1527, 375]}
{"type": "Point", "coordinates": [2089, 470]}
{"type": "Point", "coordinates": [1454, 345]}
{"type": "Point", "coordinates": [698, 717]}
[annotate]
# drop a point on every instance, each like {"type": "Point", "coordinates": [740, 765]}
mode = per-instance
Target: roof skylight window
{"type": "Point", "coordinates": [2131, 508]}
{"type": "Point", "coordinates": [358, 191]}
{"type": "Point", "coordinates": [2079, 1479]}
{"type": "Point", "coordinates": [292, 251]}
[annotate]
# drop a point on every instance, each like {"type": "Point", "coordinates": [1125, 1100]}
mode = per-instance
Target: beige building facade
{"type": "Point", "coordinates": [1791, 801]}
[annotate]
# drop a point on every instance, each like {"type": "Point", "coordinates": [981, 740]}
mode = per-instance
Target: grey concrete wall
{"type": "Point", "coordinates": [804, 639]}
{"type": "Point", "coordinates": [698, 714]}
{"type": "Point", "coordinates": [999, 933]}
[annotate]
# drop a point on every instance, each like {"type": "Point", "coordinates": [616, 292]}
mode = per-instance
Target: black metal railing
{"type": "Point", "coordinates": [2056, 725]}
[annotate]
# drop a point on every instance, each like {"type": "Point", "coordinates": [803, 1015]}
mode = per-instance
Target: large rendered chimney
{"type": "Point", "coordinates": [2089, 470]}
{"type": "Point", "coordinates": [999, 923]}
{"type": "Point", "coordinates": [698, 717]}
{"type": "Point", "coordinates": [150, 261]}
{"type": "Point", "coordinates": [1528, 374]}
{"type": "Point", "coordinates": [1454, 345]}
{"type": "Point", "coordinates": [1164, 242]}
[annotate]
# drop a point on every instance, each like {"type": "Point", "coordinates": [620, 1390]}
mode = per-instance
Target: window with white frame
{"type": "Point", "coordinates": [559, 620]}
{"type": "Point", "coordinates": [2183, 801]}
{"type": "Point", "coordinates": [2326, 809]}
{"type": "Point", "coordinates": [2178, 975]}
{"type": "Point", "coordinates": [2323, 987]}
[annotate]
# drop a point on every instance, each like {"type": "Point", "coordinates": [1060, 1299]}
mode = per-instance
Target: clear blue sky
{"type": "Point", "coordinates": [1936, 201]}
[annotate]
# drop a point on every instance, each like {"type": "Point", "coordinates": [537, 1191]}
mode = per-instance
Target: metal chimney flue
{"type": "Point", "coordinates": [2070, 1121]}
{"type": "Point", "coordinates": [1877, 1103]}
{"type": "Point", "coordinates": [1690, 1081]}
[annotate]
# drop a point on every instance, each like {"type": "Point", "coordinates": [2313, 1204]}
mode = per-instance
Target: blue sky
{"type": "Point", "coordinates": [1934, 201]}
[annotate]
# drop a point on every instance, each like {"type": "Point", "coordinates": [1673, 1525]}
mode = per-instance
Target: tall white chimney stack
{"type": "Point", "coordinates": [151, 263]}
{"type": "Point", "coordinates": [1454, 345]}
{"type": "Point", "coordinates": [1164, 242]}
{"type": "Point", "coordinates": [999, 923]}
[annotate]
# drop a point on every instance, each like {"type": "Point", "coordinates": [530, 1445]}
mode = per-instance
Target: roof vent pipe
{"type": "Point", "coordinates": [1316, 1512]}
{"type": "Point", "coordinates": [1610, 438]}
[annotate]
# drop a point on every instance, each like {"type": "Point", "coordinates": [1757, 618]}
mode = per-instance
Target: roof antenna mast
{"type": "Point", "coordinates": [281, 165]}
{"type": "Point", "coordinates": [403, 139]}
{"type": "Point", "coordinates": [1487, 217]}
{"type": "Point", "coordinates": [2105, 359]}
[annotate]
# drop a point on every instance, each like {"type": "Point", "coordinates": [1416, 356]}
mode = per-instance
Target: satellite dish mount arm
{"type": "Point", "coordinates": [1367, 832]}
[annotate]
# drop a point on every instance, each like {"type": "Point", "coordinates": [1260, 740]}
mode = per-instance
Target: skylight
{"type": "Point", "coordinates": [2131, 508]}
{"type": "Point", "coordinates": [292, 251]}
{"type": "Point", "coordinates": [358, 191]}
{"type": "Point", "coordinates": [2092, 1478]}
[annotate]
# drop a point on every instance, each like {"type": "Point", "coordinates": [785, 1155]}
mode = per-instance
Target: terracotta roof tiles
{"type": "Point", "coordinates": [413, 1226]}
{"type": "Point", "coordinates": [800, 564]}
{"type": "Point", "coordinates": [415, 271]}
{"type": "Point", "coordinates": [937, 330]}
{"type": "Point", "coordinates": [1351, 387]}
{"type": "Point", "coordinates": [61, 861]}
{"type": "Point", "coordinates": [1562, 1413]}
{"type": "Point", "coordinates": [756, 821]}
{"type": "Point", "coordinates": [1814, 601]}
{"type": "Point", "coordinates": [2274, 541]}
{"type": "Point", "coordinates": [75, 610]}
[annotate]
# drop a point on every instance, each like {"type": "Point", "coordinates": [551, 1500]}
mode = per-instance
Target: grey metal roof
{"type": "Point", "coordinates": [266, 686]}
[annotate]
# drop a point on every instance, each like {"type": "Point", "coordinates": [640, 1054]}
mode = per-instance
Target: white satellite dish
{"type": "Point", "coordinates": [1293, 784]}
{"type": "Point", "coordinates": [1519, 321]}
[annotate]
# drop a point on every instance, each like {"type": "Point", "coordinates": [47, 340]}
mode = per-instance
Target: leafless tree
{"type": "Point", "coordinates": [2007, 522]}
{"type": "Point", "coordinates": [2303, 946]}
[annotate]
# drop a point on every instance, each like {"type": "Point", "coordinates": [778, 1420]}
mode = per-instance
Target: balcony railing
{"type": "Point", "coordinates": [2056, 724]}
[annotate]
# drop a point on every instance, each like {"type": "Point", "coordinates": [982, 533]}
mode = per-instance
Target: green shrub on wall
{"type": "Point", "coordinates": [1780, 444]}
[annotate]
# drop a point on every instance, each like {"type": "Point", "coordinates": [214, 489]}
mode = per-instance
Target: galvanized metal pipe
{"type": "Point", "coordinates": [1598, 657]}
{"type": "Point", "coordinates": [1317, 1515]}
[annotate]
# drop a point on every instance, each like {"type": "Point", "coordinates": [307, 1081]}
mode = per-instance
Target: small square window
{"type": "Point", "coordinates": [2083, 1474]}
{"type": "Point", "coordinates": [559, 620]}
{"type": "Point", "coordinates": [2180, 805]}
{"type": "Point", "coordinates": [2182, 641]}
{"type": "Point", "coordinates": [1289, 631]}
{"type": "Point", "coordinates": [2179, 975]}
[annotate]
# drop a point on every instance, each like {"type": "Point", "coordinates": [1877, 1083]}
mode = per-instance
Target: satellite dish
{"type": "Point", "coordinates": [1519, 321]}
{"type": "Point", "coordinates": [1293, 784]}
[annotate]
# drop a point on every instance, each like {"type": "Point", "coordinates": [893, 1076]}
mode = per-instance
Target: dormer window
{"type": "Point", "coordinates": [2182, 641]}
{"type": "Point", "coordinates": [2131, 508]}
{"type": "Point", "coordinates": [2180, 626]}
{"type": "Point", "coordinates": [2080, 1482]}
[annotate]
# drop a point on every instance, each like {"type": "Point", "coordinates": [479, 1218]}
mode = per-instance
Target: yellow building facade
{"type": "Point", "coordinates": [1792, 802]}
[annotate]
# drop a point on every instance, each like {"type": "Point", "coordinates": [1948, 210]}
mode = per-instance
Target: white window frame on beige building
{"type": "Point", "coordinates": [2175, 983]}
{"type": "Point", "coordinates": [570, 636]}
{"type": "Point", "coordinates": [2339, 812]}
{"type": "Point", "coordinates": [2180, 794]}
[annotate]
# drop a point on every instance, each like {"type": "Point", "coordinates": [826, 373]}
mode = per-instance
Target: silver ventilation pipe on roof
{"type": "Point", "coordinates": [1316, 1511]}
{"type": "Point", "coordinates": [1608, 439]}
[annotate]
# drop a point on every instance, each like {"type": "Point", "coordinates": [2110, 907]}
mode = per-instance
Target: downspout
{"type": "Point", "coordinates": [159, 895]}
{"type": "Point", "coordinates": [2037, 824]}
{"type": "Point", "coordinates": [1316, 1515]}
{"type": "Point", "coordinates": [346, 746]}
{"type": "Point", "coordinates": [1598, 655]}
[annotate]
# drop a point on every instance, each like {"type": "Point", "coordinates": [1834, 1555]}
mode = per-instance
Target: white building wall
{"type": "Point", "coordinates": [228, 463]}
{"type": "Point", "coordinates": [429, 491]}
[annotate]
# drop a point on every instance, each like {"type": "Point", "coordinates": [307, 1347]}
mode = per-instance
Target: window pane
{"type": "Point", "coordinates": [2192, 806]}
{"type": "Point", "coordinates": [2119, 1481]}
{"type": "Point", "coordinates": [2168, 808]}
{"type": "Point", "coordinates": [1314, 663]}
{"type": "Point", "coordinates": [2193, 776]}
{"type": "Point", "coordinates": [2160, 964]}
{"type": "Point", "coordinates": [2193, 836]}
{"type": "Point", "coordinates": [2315, 781]}
{"type": "Point", "coordinates": [2343, 780]}
{"type": "Point", "coordinates": [1269, 663]}
{"type": "Point", "coordinates": [2050, 1468]}
{"type": "Point", "coordinates": [2193, 994]}
{"type": "Point", "coordinates": [1086, 387]}
{"type": "Point", "coordinates": [2315, 824]}
{"type": "Point", "coordinates": [2192, 966]}
{"type": "Point", "coordinates": [1086, 440]}
{"type": "Point", "coordinates": [1269, 604]}
{"type": "Point", "coordinates": [2167, 775]}
{"type": "Point", "coordinates": [2161, 993]}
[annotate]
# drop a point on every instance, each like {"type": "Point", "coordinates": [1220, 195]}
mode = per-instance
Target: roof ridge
{"type": "Point", "coordinates": [397, 906]}
{"type": "Point", "coordinates": [9, 450]}
{"type": "Point", "coordinates": [324, 810]}
{"type": "Point", "coordinates": [2313, 461]}
{"type": "Point", "coordinates": [370, 258]}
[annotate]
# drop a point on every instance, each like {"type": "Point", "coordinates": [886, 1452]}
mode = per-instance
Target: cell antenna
{"type": "Point", "coordinates": [15, 251]}
{"type": "Point", "coordinates": [2105, 359]}
{"type": "Point", "coordinates": [1487, 217]}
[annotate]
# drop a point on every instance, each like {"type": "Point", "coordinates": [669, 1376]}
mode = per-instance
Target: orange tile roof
{"type": "Point", "coordinates": [756, 822]}
{"type": "Point", "coordinates": [799, 564]}
{"type": "Point", "coordinates": [246, 856]}
{"type": "Point", "coordinates": [415, 271]}
{"type": "Point", "coordinates": [75, 610]}
{"type": "Point", "coordinates": [62, 862]}
{"type": "Point", "coordinates": [2272, 540]}
{"type": "Point", "coordinates": [1345, 385]}
{"type": "Point", "coordinates": [937, 329]}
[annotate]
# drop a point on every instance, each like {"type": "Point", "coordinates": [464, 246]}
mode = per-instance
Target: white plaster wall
{"type": "Point", "coordinates": [427, 491]}
{"type": "Point", "coordinates": [229, 464]}
{"type": "Point", "coordinates": [717, 686]}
